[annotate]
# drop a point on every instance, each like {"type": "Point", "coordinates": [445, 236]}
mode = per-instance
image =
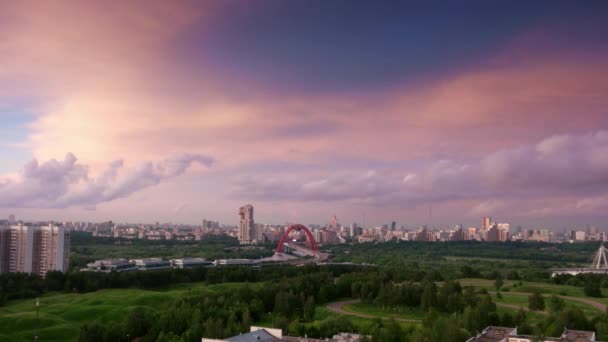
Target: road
{"type": "Point", "coordinates": [338, 307]}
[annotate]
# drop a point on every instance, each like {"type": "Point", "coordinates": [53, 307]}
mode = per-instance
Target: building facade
{"type": "Point", "coordinates": [33, 249]}
{"type": "Point", "coordinates": [246, 233]}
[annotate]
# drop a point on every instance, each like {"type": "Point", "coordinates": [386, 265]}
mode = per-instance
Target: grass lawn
{"type": "Point", "coordinates": [61, 315]}
{"type": "Point", "coordinates": [522, 300]}
{"type": "Point", "coordinates": [526, 286]}
{"type": "Point", "coordinates": [402, 312]}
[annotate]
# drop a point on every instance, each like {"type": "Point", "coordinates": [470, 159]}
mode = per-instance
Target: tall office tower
{"type": "Point", "coordinates": [246, 225]}
{"type": "Point", "coordinates": [393, 225]}
{"type": "Point", "coordinates": [34, 249]}
{"type": "Point", "coordinates": [11, 219]}
{"type": "Point", "coordinates": [487, 223]}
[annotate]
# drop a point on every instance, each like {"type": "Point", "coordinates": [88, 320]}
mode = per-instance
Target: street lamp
{"type": "Point", "coordinates": [37, 321]}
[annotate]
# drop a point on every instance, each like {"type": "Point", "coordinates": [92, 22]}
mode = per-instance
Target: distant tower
{"type": "Point", "coordinates": [11, 219]}
{"type": "Point", "coordinates": [333, 224]}
{"type": "Point", "coordinates": [246, 225]}
{"type": "Point", "coordinates": [487, 223]}
{"type": "Point", "coordinates": [393, 225]}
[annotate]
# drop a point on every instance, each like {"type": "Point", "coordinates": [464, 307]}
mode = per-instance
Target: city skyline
{"type": "Point", "coordinates": [180, 111]}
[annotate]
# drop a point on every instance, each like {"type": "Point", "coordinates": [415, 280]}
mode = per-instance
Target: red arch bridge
{"type": "Point", "coordinates": [312, 251]}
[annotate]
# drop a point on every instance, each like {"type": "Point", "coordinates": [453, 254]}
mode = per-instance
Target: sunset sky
{"type": "Point", "coordinates": [147, 111]}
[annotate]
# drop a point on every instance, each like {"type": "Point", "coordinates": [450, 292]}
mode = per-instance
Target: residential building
{"type": "Point", "coordinates": [580, 235]}
{"type": "Point", "coordinates": [246, 231]}
{"type": "Point", "coordinates": [259, 334]}
{"type": "Point", "coordinates": [487, 223]}
{"type": "Point", "coordinates": [507, 334]}
{"type": "Point", "coordinates": [458, 235]}
{"type": "Point", "coordinates": [32, 249]}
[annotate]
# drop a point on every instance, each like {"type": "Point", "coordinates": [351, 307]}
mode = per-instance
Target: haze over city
{"type": "Point", "coordinates": [179, 111]}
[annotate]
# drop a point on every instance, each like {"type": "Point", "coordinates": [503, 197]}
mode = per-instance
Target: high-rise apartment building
{"type": "Point", "coordinates": [487, 223]}
{"type": "Point", "coordinates": [353, 229]}
{"type": "Point", "coordinates": [35, 250]}
{"type": "Point", "coordinates": [246, 232]}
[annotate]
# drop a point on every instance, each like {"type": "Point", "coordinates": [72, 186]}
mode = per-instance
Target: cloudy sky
{"type": "Point", "coordinates": [374, 111]}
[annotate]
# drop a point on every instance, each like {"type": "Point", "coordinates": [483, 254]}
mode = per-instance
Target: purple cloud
{"type": "Point", "coordinates": [559, 165]}
{"type": "Point", "coordinates": [62, 184]}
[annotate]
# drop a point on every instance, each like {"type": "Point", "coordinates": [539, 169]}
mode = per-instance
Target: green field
{"type": "Point", "coordinates": [544, 288]}
{"type": "Point", "coordinates": [400, 312]}
{"type": "Point", "coordinates": [61, 315]}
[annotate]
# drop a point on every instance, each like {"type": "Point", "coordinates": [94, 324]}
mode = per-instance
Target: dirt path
{"type": "Point", "coordinates": [588, 301]}
{"type": "Point", "coordinates": [516, 307]}
{"type": "Point", "coordinates": [338, 307]}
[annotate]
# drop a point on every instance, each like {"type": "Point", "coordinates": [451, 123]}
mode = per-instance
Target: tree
{"type": "Point", "coordinates": [498, 283]}
{"type": "Point", "coordinates": [592, 288]}
{"type": "Point", "coordinates": [429, 295]}
{"type": "Point", "coordinates": [137, 322]}
{"type": "Point", "coordinates": [555, 304]}
{"type": "Point", "coordinates": [507, 320]}
{"type": "Point", "coordinates": [309, 309]}
{"type": "Point", "coordinates": [536, 301]}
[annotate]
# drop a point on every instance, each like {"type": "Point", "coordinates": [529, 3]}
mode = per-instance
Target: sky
{"type": "Point", "coordinates": [376, 111]}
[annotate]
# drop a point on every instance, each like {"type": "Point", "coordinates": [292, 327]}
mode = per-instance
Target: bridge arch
{"type": "Point", "coordinates": [285, 236]}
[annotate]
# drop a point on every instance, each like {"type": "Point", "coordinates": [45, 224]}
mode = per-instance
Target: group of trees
{"type": "Point", "coordinates": [21, 285]}
{"type": "Point", "coordinates": [289, 304]}
{"type": "Point", "coordinates": [592, 283]}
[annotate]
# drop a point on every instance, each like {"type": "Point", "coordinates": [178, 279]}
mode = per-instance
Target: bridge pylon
{"type": "Point", "coordinates": [600, 261]}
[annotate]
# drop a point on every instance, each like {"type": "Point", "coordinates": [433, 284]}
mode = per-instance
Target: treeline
{"type": "Point", "coordinates": [592, 283]}
{"type": "Point", "coordinates": [512, 250]}
{"type": "Point", "coordinates": [85, 238]}
{"type": "Point", "coordinates": [22, 285]}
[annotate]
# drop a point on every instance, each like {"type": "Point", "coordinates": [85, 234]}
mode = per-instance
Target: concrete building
{"type": "Point", "coordinates": [234, 262]}
{"type": "Point", "coordinates": [246, 231]}
{"type": "Point", "coordinates": [458, 235]}
{"type": "Point", "coordinates": [580, 235]}
{"type": "Point", "coordinates": [492, 234]}
{"type": "Point", "coordinates": [151, 264]}
{"type": "Point", "coordinates": [190, 262]}
{"type": "Point", "coordinates": [259, 334]}
{"type": "Point", "coordinates": [51, 249]}
{"type": "Point", "coordinates": [487, 223]}
{"type": "Point", "coordinates": [35, 250]}
{"type": "Point", "coordinates": [109, 265]}
{"type": "Point", "coordinates": [506, 334]}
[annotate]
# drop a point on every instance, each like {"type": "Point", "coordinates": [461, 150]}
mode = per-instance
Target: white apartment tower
{"type": "Point", "coordinates": [34, 249]}
{"type": "Point", "coordinates": [246, 226]}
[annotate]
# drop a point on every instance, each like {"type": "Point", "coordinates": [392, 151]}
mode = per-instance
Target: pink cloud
{"type": "Point", "coordinates": [110, 87]}
{"type": "Point", "coordinates": [67, 183]}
